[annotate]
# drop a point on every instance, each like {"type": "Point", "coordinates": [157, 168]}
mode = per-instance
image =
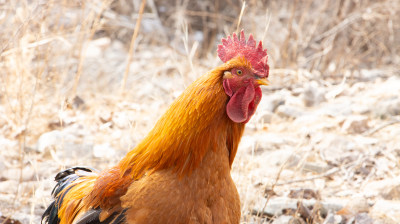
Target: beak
{"type": "Point", "coordinates": [262, 81]}
{"type": "Point", "coordinates": [227, 75]}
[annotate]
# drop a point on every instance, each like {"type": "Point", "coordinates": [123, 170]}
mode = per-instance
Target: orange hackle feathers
{"type": "Point", "coordinates": [75, 195]}
{"type": "Point", "coordinates": [184, 133]}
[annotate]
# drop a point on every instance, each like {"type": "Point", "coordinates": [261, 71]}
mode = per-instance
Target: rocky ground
{"type": "Point", "coordinates": [327, 148]}
{"type": "Point", "coordinates": [323, 146]}
{"type": "Point", "coordinates": [316, 149]}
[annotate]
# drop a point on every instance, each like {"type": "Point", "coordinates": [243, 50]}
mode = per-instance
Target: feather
{"type": "Point", "coordinates": [92, 217]}
{"type": "Point", "coordinates": [65, 180]}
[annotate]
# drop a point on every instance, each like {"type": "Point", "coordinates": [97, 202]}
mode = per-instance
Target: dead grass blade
{"type": "Point", "coordinates": [132, 45]}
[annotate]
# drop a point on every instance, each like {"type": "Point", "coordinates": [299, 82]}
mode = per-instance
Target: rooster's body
{"type": "Point", "coordinates": [180, 173]}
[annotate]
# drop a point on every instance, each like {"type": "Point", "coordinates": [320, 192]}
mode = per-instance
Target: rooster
{"type": "Point", "coordinates": [180, 172]}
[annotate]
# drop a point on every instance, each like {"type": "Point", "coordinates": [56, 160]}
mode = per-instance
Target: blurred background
{"type": "Point", "coordinates": [82, 82]}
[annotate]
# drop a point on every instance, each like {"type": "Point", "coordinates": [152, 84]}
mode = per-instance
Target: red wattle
{"type": "Point", "coordinates": [243, 102]}
{"type": "Point", "coordinates": [253, 105]}
{"type": "Point", "coordinates": [227, 87]}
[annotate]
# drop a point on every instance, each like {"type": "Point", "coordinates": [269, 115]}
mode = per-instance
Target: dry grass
{"type": "Point", "coordinates": [52, 51]}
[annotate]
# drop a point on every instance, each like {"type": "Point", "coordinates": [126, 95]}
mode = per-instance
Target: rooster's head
{"type": "Point", "coordinates": [247, 69]}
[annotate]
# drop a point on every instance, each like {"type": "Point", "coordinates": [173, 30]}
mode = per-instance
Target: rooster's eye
{"type": "Point", "coordinates": [239, 72]}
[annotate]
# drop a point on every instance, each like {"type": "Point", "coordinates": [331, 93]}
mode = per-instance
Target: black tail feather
{"type": "Point", "coordinates": [64, 179]}
{"type": "Point", "coordinates": [92, 217]}
{"type": "Point", "coordinates": [51, 214]}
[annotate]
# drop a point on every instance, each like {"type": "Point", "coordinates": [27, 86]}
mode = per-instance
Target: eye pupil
{"type": "Point", "coordinates": [239, 72]}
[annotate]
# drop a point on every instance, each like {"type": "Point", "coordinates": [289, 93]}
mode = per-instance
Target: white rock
{"type": "Point", "coordinates": [357, 204]}
{"type": "Point", "coordinates": [380, 187]}
{"type": "Point", "coordinates": [370, 74]}
{"type": "Point", "coordinates": [50, 140]}
{"type": "Point", "coordinates": [333, 219]}
{"type": "Point", "coordinates": [75, 151]}
{"type": "Point", "coordinates": [65, 143]}
{"type": "Point", "coordinates": [272, 102]}
{"type": "Point", "coordinates": [287, 111]}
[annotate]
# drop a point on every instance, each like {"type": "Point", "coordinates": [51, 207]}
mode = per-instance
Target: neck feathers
{"type": "Point", "coordinates": [195, 123]}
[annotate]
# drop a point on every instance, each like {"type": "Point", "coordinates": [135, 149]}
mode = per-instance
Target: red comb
{"type": "Point", "coordinates": [256, 55]}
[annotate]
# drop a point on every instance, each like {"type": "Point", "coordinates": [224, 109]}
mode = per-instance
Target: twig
{"type": "Point", "coordinates": [278, 177]}
{"type": "Point", "coordinates": [19, 29]}
{"type": "Point", "coordinates": [240, 16]}
{"type": "Point", "coordinates": [32, 45]}
{"type": "Point", "coordinates": [6, 220]}
{"type": "Point", "coordinates": [268, 15]}
{"type": "Point", "coordinates": [339, 27]}
{"type": "Point", "coordinates": [372, 131]}
{"type": "Point", "coordinates": [327, 173]}
{"type": "Point", "coordinates": [272, 188]}
{"type": "Point", "coordinates": [131, 47]}
{"type": "Point", "coordinates": [209, 14]}
{"type": "Point", "coordinates": [22, 138]}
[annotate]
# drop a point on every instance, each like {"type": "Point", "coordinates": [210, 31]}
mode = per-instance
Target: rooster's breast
{"type": "Point", "coordinates": [208, 195]}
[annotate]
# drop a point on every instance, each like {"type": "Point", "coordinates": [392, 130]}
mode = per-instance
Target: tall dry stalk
{"type": "Point", "coordinates": [132, 45]}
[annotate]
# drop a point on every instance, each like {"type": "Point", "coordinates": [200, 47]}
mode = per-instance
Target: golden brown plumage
{"type": "Point", "coordinates": [180, 172]}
